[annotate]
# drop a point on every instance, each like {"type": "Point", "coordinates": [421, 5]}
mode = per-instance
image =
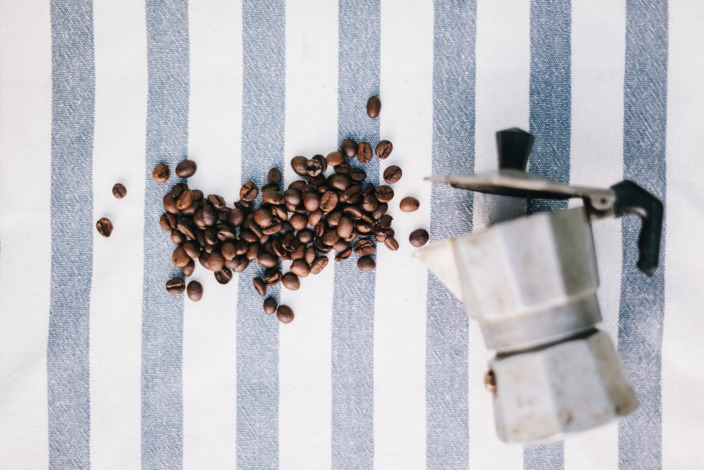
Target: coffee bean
{"type": "Point", "coordinates": [187, 227]}
{"type": "Point", "coordinates": [328, 202]}
{"type": "Point", "coordinates": [299, 252]}
{"type": "Point", "coordinates": [279, 212]}
{"type": "Point", "coordinates": [175, 286]}
{"type": "Point", "coordinates": [305, 236]}
{"type": "Point", "coordinates": [364, 152]}
{"type": "Point", "coordinates": [119, 190]}
{"type": "Point", "coordinates": [274, 176]}
{"type": "Point", "coordinates": [310, 255]}
{"type": "Point", "coordinates": [345, 227]}
{"type": "Point", "coordinates": [267, 260]}
{"type": "Point", "coordinates": [390, 243]}
{"type": "Point", "coordinates": [290, 281]}
{"type": "Point", "coordinates": [236, 217]}
{"type": "Point", "coordinates": [188, 269]}
{"type": "Point", "coordinates": [197, 194]}
{"type": "Point", "coordinates": [249, 191]}
{"type": "Point", "coordinates": [349, 147]}
{"type": "Point", "coordinates": [330, 237]}
{"type": "Point", "coordinates": [299, 165]}
{"type": "Point", "coordinates": [384, 193]}
{"type": "Point", "coordinates": [218, 202]}
{"type": "Point", "coordinates": [383, 149]}
{"type": "Point", "coordinates": [185, 200]}
{"type": "Point", "coordinates": [284, 314]}
{"type": "Point", "coordinates": [339, 181]}
{"type": "Point", "coordinates": [300, 268]}
{"type": "Point", "coordinates": [246, 206]}
{"type": "Point", "coordinates": [192, 249]}
{"type": "Point", "coordinates": [161, 173]}
{"type": "Point", "coordinates": [238, 264]}
{"type": "Point", "coordinates": [167, 222]}
{"type": "Point", "coordinates": [318, 264]}
{"type": "Point", "coordinates": [272, 276]}
{"type": "Point", "coordinates": [363, 226]}
{"type": "Point", "coordinates": [369, 203]}
{"type": "Point", "coordinates": [207, 216]}
{"type": "Point", "coordinates": [263, 217]}
{"type": "Point", "coordinates": [180, 258]}
{"type": "Point", "coordinates": [366, 263]}
{"type": "Point", "coordinates": [211, 236]}
{"type": "Point", "coordinates": [340, 245]}
{"type": "Point", "coordinates": [203, 259]}
{"type": "Point", "coordinates": [344, 254]}
{"type": "Point", "coordinates": [314, 217]}
{"type": "Point", "coordinates": [380, 211]}
{"type": "Point", "coordinates": [270, 306]}
{"type": "Point", "coordinates": [260, 286]}
{"type": "Point", "coordinates": [293, 196]}
{"type": "Point", "coordinates": [225, 232]}
{"type": "Point", "coordinates": [223, 276]}
{"type": "Point", "coordinates": [364, 247]}
{"type": "Point", "coordinates": [177, 237]}
{"type": "Point", "coordinates": [342, 169]}
{"type": "Point", "coordinates": [335, 158]}
{"type": "Point", "coordinates": [215, 262]}
{"type": "Point", "coordinates": [353, 212]}
{"type": "Point", "coordinates": [272, 196]}
{"type": "Point", "coordinates": [316, 165]}
{"type": "Point", "coordinates": [385, 222]}
{"type": "Point", "coordinates": [177, 189]}
{"type": "Point", "coordinates": [393, 174]}
{"type": "Point", "coordinates": [194, 291]}
{"type": "Point", "coordinates": [353, 194]}
{"type": "Point", "coordinates": [373, 107]}
{"type": "Point", "coordinates": [409, 204]}
{"type": "Point", "coordinates": [104, 227]}
{"type": "Point", "coordinates": [311, 201]}
{"type": "Point", "coordinates": [186, 169]}
{"type": "Point", "coordinates": [419, 237]}
{"type": "Point", "coordinates": [209, 248]}
{"type": "Point", "coordinates": [358, 175]}
{"type": "Point", "coordinates": [319, 180]}
{"type": "Point", "coordinates": [170, 204]}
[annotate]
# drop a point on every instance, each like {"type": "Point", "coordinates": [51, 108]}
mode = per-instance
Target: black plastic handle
{"type": "Point", "coordinates": [632, 199]}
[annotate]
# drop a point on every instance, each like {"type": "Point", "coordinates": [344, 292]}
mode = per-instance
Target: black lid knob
{"type": "Point", "coordinates": [513, 146]}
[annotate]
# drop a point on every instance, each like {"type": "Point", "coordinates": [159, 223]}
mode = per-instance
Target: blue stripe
{"type": "Point", "coordinates": [72, 226]}
{"type": "Point", "coordinates": [550, 122]}
{"type": "Point", "coordinates": [454, 83]}
{"type": "Point", "coordinates": [263, 117]}
{"type": "Point", "coordinates": [642, 298]}
{"type": "Point", "coordinates": [359, 42]}
{"type": "Point", "coordinates": [162, 313]}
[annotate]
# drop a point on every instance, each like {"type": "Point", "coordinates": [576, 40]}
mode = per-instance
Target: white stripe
{"type": "Point", "coordinates": [209, 326]}
{"type": "Point", "coordinates": [503, 90]}
{"type": "Point", "coordinates": [683, 340]}
{"type": "Point", "coordinates": [25, 234]}
{"type": "Point", "coordinates": [305, 397]}
{"type": "Point", "coordinates": [401, 281]}
{"type": "Point", "coordinates": [116, 294]}
{"type": "Point", "coordinates": [598, 61]}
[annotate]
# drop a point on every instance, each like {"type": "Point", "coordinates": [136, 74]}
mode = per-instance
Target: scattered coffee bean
{"type": "Point", "coordinates": [390, 243]}
{"type": "Point", "coordinates": [335, 158]}
{"type": "Point", "coordinates": [409, 204]}
{"type": "Point", "coordinates": [342, 169]}
{"type": "Point", "coordinates": [249, 191]}
{"type": "Point", "coordinates": [373, 107]}
{"type": "Point", "coordinates": [167, 222]}
{"type": "Point", "coordinates": [161, 173]}
{"type": "Point", "coordinates": [104, 227]}
{"type": "Point", "coordinates": [186, 169]}
{"type": "Point", "coordinates": [270, 306]}
{"type": "Point", "coordinates": [392, 174]}
{"type": "Point", "coordinates": [384, 193]}
{"type": "Point", "coordinates": [344, 254]}
{"type": "Point", "coordinates": [318, 264]}
{"type": "Point", "coordinates": [188, 269]}
{"type": "Point", "coordinates": [290, 281]}
{"type": "Point", "coordinates": [272, 276]}
{"type": "Point", "coordinates": [119, 191]}
{"type": "Point", "coordinates": [419, 237]}
{"type": "Point", "coordinates": [284, 314]}
{"type": "Point", "coordinates": [179, 257]}
{"type": "Point", "coordinates": [299, 165]}
{"type": "Point", "coordinates": [177, 237]}
{"type": "Point", "coordinates": [349, 148]}
{"type": "Point", "coordinates": [218, 202]}
{"type": "Point", "coordinates": [364, 247]}
{"type": "Point", "coordinates": [300, 268]}
{"type": "Point", "coordinates": [383, 149]}
{"type": "Point", "coordinates": [366, 263]}
{"type": "Point", "coordinates": [185, 200]}
{"type": "Point", "coordinates": [194, 291]}
{"type": "Point", "coordinates": [274, 176]}
{"type": "Point", "coordinates": [364, 152]}
{"type": "Point", "coordinates": [358, 175]}
{"type": "Point", "coordinates": [223, 276]}
{"type": "Point", "coordinates": [170, 204]}
{"type": "Point", "coordinates": [175, 286]}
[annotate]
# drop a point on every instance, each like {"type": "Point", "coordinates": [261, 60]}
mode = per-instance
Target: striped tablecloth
{"type": "Point", "coordinates": [101, 368]}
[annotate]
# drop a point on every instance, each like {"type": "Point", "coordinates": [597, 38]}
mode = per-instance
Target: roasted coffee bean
{"type": "Point", "coordinates": [246, 206]}
{"type": "Point", "coordinates": [314, 217]}
{"type": "Point", "coordinates": [385, 221]}
{"type": "Point", "coordinates": [170, 204]}
{"type": "Point", "coordinates": [260, 286]}
{"type": "Point", "coordinates": [161, 173]}
{"type": "Point", "coordinates": [274, 176]}
{"type": "Point", "coordinates": [314, 166]}
{"type": "Point", "coordinates": [248, 236]}
{"type": "Point", "coordinates": [194, 291]}
{"type": "Point", "coordinates": [236, 217]}
{"type": "Point", "coordinates": [311, 201]}
{"type": "Point", "coordinates": [373, 107]}
{"type": "Point", "coordinates": [228, 250]}
{"type": "Point", "coordinates": [267, 260]}
{"type": "Point", "coordinates": [393, 174]}
{"type": "Point", "coordinates": [270, 305]}
{"type": "Point", "coordinates": [177, 189]}
{"type": "Point", "coordinates": [328, 201]}
{"type": "Point", "coordinates": [391, 243]}
{"type": "Point", "coordinates": [215, 261]}
{"type": "Point", "coordinates": [353, 194]}
{"type": "Point", "coordinates": [104, 227]}
{"type": "Point", "coordinates": [223, 276]}
{"type": "Point", "coordinates": [285, 314]}
{"type": "Point", "coordinates": [238, 264]}
{"type": "Point", "coordinates": [419, 237]}
{"type": "Point", "coordinates": [197, 194]}
{"type": "Point", "coordinates": [187, 227]}
{"type": "Point", "coordinates": [364, 247]}
{"type": "Point", "coordinates": [203, 259]}
{"type": "Point", "coordinates": [364, 152]}
{"type": "Point", "coordinates": [369, 203]}
{"type": "Point", "coordinates": [384, 193]}
{"type": "Point", "coordinates": [340, 245]}
{"type": "Point", "coordinates": [334, 217]}
{"type": "Point", "coordinates": [192, 248]}
{"type": "Point", "coordinates": [299, 221]}
{"type": "Point", "coordinates": [293, 196]}
{"type": "Point", "coordinates": [409, 204]}
{"type": "Point", "coordinates": [263, 217]}
{"type": "Point", "coordinates": [200, 237]}
{"type": "Point", "coordinates": [318, 264]}
{"type": "Point", "coordinates": [299, 252]}
{"type": "Point", "coordinates": [185, 200]}
{"type": "Point", "coordinates": [205, 216]}
{"type": "Point", "coordinates": [119, 190]}
{"type": "Point", "coordinates": [330, 237]}
{"type": "Point", "coordinates": [225, 232]}
{"type": "Point", "coordinates": [342, 169]}
{"type": "Point", "coordinates": [310, 255]}
{"type": "Point", "coordinates": [176, 286]}
{"type": "Point", "coordinates": [177, 237]}
{"type": "Point", "coordinates": [299, 165]}
{"type": "Point", "coordinates": [186, 169]}
{"type": "Point", "coordinates": [335, 158]}
{"type": "Point", "coordinates": [300, 268]}
{"type": "Point", "coordinates": [188, 269]}
{"type": "Point", "coordinates": [167, 222]}
{"type": "Point", "coordinates": [383, 149]}
{"type": "Point", "coordinates": [363, 226]}
{"type": "Point", "coordinates": [218, 202]}
{"type": "Point", "coordinates": [380, 211]}
{"type": "Point", "coordinates": [223, 214]}
{"type": "Point", "coordinates": [180, 258]}
{"type": "Point", "coordinates": [273, 228]}
{"type": "Point", "coordinates": [249, 191]}
{"type": "Point", "coordinates": [345, 227]}
{"type": "Point", "coordinates": [349, 147]}
{"type": "Point", "coordinates": [209, 248]}
{"type": "Point", "coordinates": [380, 237]}
{"type": "Point", "coordinates": [190, 210]}
{"type": "Point", "coordinates": [344, 254]}
{"type": "Point", "coordinates": [272, 276]}
{"type": "Point", "coordinates": [290, 281]}
{"type": "Point", "coordinates": [211, 236]}
{"type": "Point", "coordinates": [272, 196]}
{"type": "Point", "coordinates": [366, 263]}
{"type": "Point", "coordinates": [353, 212]}
{"type": "Point", "coordinates": [358, 175]}
{"type": "Point", "coordinates": [305, 236]}
{"type": "Point", "coordinates": [279, 212]}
